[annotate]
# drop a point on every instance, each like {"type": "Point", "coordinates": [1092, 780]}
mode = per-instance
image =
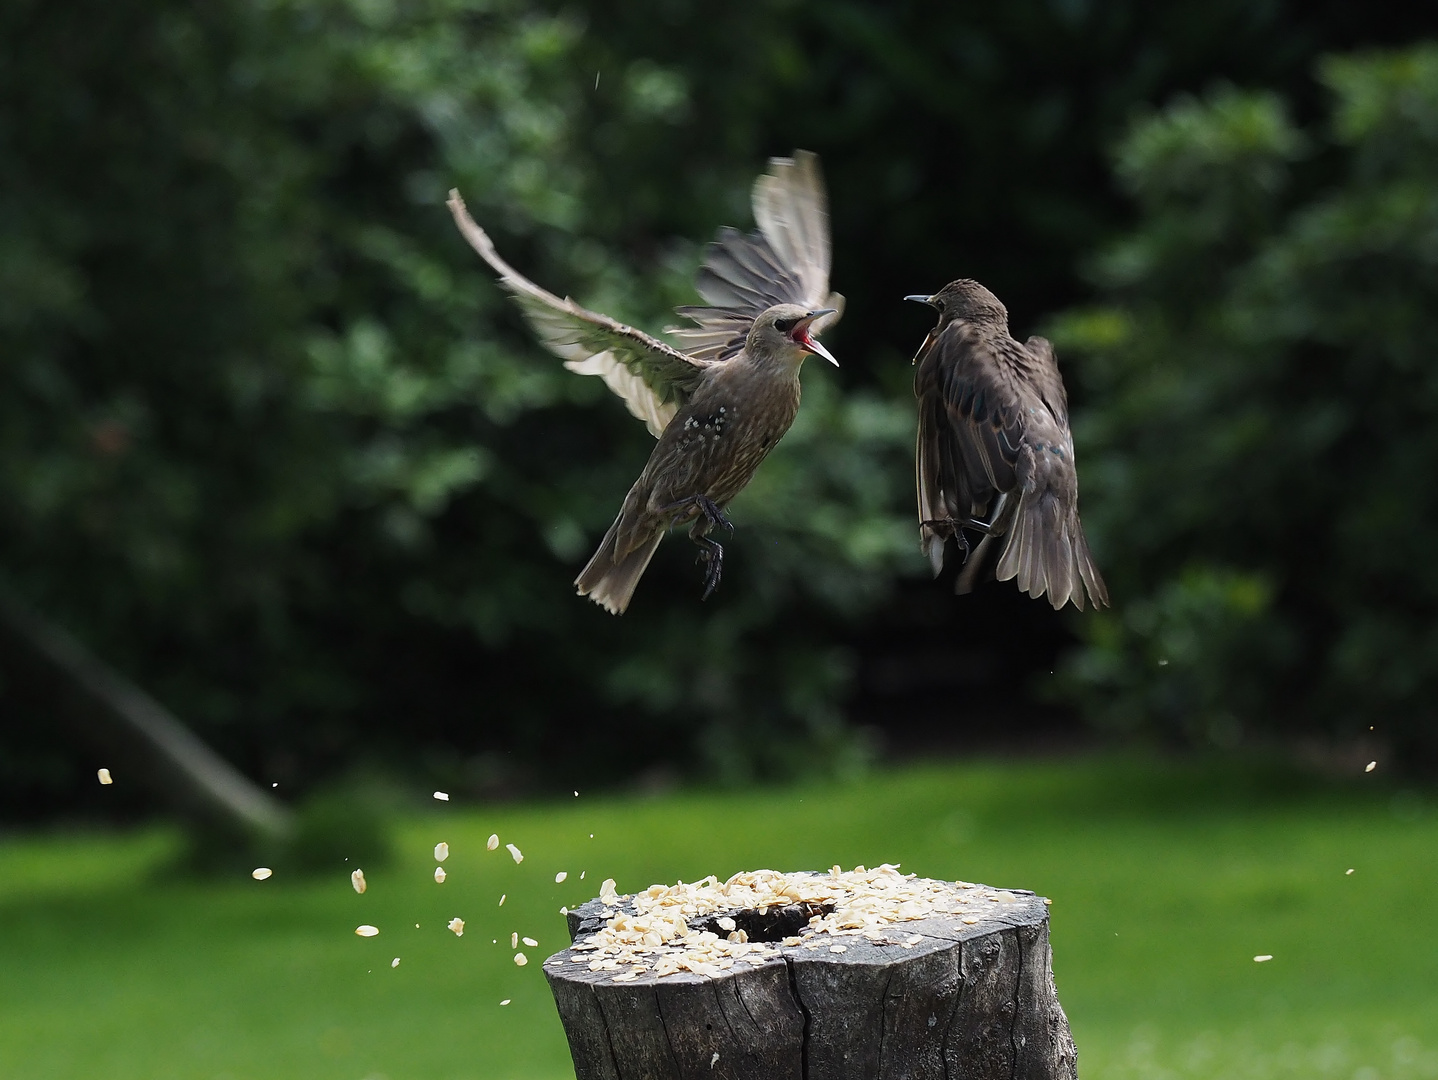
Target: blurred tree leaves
{"type": "Point", "coordinates": [273, 440]}
{"type": "Point", "coordinates": [273, 443]}
{"type": "Point", "coordinates": [1261, 438]}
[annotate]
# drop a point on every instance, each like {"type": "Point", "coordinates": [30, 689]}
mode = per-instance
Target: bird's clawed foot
{"type": "Point", "coordinates": [945, 527]}
{"type": "Point", "coordinates": [715, 516]}
{"type": "Point", "coordinates": [711, 553]}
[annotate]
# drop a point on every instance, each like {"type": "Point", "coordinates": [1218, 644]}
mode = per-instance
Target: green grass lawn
{"type": "Point", "coordinates": [1167, 879]}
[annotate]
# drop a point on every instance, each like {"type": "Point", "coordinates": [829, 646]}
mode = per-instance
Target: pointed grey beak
{"type": "Point", "coordinates": [801, 334]}
{"type": "Point", "coordinates": [921, 298]}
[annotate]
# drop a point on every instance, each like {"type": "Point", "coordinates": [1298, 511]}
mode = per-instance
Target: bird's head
{"type": "Point", "coordinates": [784, 330]}
{"type": "Point", "coordinates": [965, 299]}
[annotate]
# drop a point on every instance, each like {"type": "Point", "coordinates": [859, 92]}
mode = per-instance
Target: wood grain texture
{"type": "Point", "coordinates": [965, 1001]}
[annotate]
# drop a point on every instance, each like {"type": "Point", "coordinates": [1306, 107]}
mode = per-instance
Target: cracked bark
{"type": "Point", "coordinates": [967, 1002]}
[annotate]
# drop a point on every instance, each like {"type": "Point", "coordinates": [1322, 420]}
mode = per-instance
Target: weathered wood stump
{"type": "Point", "coordinates": [824, 988]}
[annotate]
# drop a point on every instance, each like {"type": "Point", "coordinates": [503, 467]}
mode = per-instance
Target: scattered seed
{"type": "Point", "coordinates": [358, 881]}
{"type": "Point", "coordinates": [1263, 958]}
{"type": "Point", "coordinates": [442, 796]}
{"type": "Point", "coordinates": [394, 963]}
{"type": "Point", "coordinates": [457, 925]}
{"type": "Point", "coordinates": [1370, 766]}
{"type": "Point", "coordinates": [564, 910]}
{"type": "Point", "coordinates": [492, 842]}
{"type": "Point", "coordinates": [514, 940]}
{"type": "Point", "coordinates": [724, 923]}
{"type": "Point", "coordinates": [838, 948]}
{"type": "Point", "coordinates": [506, 1001]}
{"type": "Point", "coordinates": [530, 942]}
{"type": "Point", "coordinates": [501, 898]}
{"type": "Point", "coordinates": [441, 851]}
{"type": "Point", "coordinates": [260, 873]}
{"type": "Point", "coordinates": [439, 875]}
{"type": "Point", "coordinates": [104, 776]}
{"type": "Point", "coordinates": [559, 877]}
{"type": "Point", "coordinates": [366, 930]}
{"type": "Point", "coordinates": [1348, 871]}
{"type": "Point", "coordinates": [582, 873]}
{"type": "Point", "coordinates": [515, 853]}
{"type": "Point", "coordinates": [714, 1060]}
{"type": "Point", "coordinates": [520, 959]}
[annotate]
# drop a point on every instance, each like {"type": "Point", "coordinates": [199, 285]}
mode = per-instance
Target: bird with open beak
{"type": "Point", "coordinates": [995, 454]}
{"type": "Point", "coordinates": [722, 401]}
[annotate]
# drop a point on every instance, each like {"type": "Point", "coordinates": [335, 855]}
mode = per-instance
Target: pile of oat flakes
{"type": "Point", "coordinates": [655, 936]}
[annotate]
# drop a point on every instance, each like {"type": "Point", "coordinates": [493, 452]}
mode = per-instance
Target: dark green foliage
{"type": "Point", "coordinates": [1260, 462]}
{"type": "Point", "coordinates": [273, 444]}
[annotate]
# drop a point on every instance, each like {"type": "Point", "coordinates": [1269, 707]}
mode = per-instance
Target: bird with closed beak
{"type": "Point", "coordinates": [720, 402]}
{"type": "Point", "coordinates": [995, 455]}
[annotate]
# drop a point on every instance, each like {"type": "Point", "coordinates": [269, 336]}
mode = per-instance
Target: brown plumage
{"type": "Point", "coordinates": [995, 454]}
{"type": "Point", "coordinates": [707, 455]}
{"type": "Point", "coordinates": [719, 406]}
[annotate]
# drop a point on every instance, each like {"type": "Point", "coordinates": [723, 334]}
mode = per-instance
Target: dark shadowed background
{"type": "Point", "coordinates": [273, 445]}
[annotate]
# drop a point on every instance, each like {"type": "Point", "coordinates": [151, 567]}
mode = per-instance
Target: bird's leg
{"type": "Point", "coordinates": [706, 506]}
{"type": "Point", "coordinates": [711, 510]}
{"type": "Point", "coordinates": [711, 552]}
{"type": "Point", "coordinates": [949, 527]}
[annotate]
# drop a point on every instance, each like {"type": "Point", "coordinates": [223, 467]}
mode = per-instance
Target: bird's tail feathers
{"type": "Point", "coordinates": [1047, 553]}
{"type": "Point", "coordinates": [609, 579]}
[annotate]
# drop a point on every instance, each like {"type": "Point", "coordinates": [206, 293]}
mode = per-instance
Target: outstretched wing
{"type": "Point", "coordinates": [653, 378]}
{"type": "Point", "coordinates": [786, 261]}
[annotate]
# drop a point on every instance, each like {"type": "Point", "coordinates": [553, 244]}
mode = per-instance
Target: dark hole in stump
{"type": "Point", "coordinates": [767, 924]}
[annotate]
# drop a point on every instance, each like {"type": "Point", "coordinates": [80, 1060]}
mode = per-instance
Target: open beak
{"type": "Point", "coordinates": [921, 298]}
{"type": "Point", "coordinates": [800, 335]}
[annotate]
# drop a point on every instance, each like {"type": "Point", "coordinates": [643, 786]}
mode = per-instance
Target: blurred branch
{"type": "Point", "coordinates": [169, 758]}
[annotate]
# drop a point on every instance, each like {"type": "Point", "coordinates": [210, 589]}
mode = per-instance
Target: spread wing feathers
{"type": "Point", "coordinates": [651, 377]}
{"type": "Point", "coordinates": [785, 262]}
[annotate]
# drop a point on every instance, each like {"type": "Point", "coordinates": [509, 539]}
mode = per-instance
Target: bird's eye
{"type": "Point", "coordinates": [784, 325]}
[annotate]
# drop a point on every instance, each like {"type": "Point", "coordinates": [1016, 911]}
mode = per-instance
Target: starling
{"type": "Point", "coordinates": [995, 454]}
{"type": "Point", "coordinates": [720, 402]}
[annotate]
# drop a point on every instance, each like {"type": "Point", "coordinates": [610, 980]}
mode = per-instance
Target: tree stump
{"type": "Point", "coordinates": [955, 986]}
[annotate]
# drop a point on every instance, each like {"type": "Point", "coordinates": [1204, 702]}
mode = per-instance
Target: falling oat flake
{"type": "Point", "coordinates": [1370, 766]}
{"type": "Point", "coordinates": [439, 875]}
{"type": "Point", "coordinates": [366, 930]}
{"type": "Point", "coordinates": [394, 963]}
{"type": "Point", "coordinates": [442, 796]}
{"type": "Point", "coordinates": [520, 959]}
{"type": "Point", "coordinates": [441, 851]}
{"type": "Point", "coordinates": [530, 942]}
{"type": "Point", "coordinates": [260, 873]}
{"type": "Point", "coordinates": [506, 1001]}
{"type": "Point", "coordinates": [1348, 871]}
{"type": "Point", "coordinates": [501, 898]}
{"type": "Point", "coordinates": [358, 881]}
{"type": "Point", "coordinates": [1263, 958]}
{"type": "Point", "coordinates": [559, 877]}
{"type": "Point", "coordinates": [514, 940]}
{"type": "Point", "coordinates": [104, 776]}
{"type": "Point", "coordinates": [457, 925]}
{"type": "Point", "coordinates": [515, 853]}
{"type": "Point", "coordinates": [492, 842]}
